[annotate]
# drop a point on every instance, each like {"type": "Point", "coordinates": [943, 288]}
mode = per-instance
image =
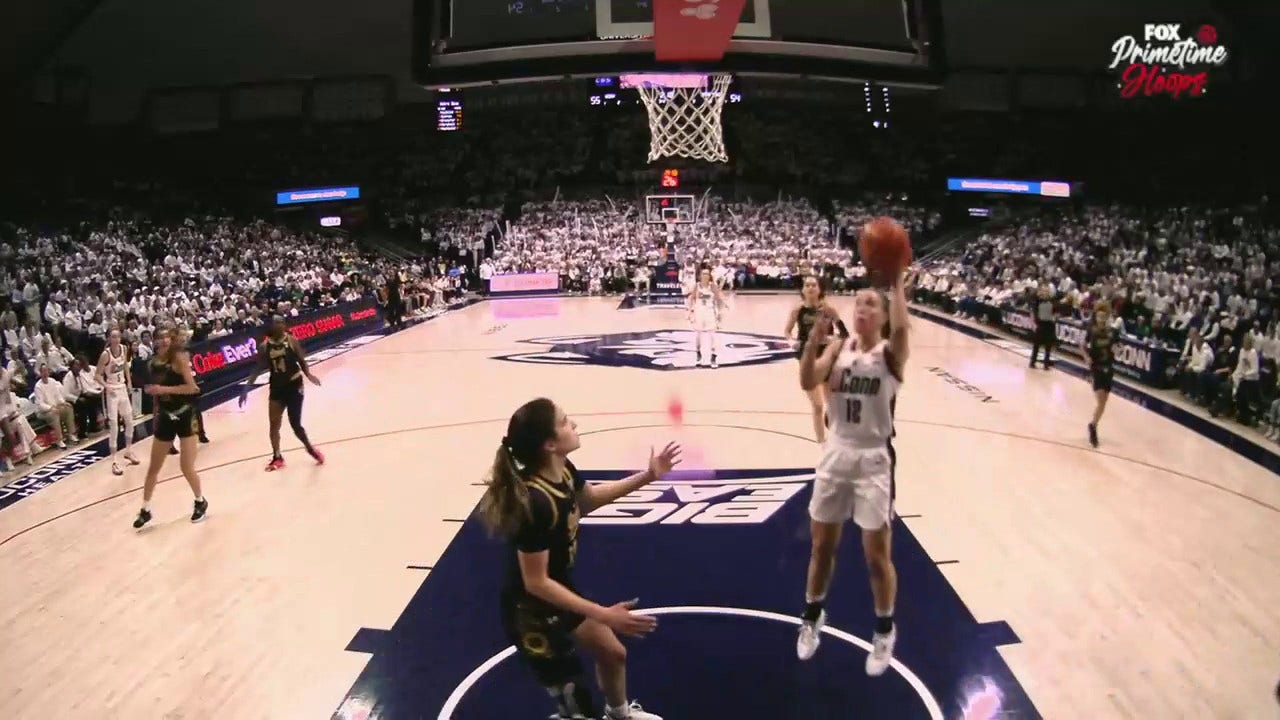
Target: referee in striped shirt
{"type": "Point", "coordinates": [1046, 326]}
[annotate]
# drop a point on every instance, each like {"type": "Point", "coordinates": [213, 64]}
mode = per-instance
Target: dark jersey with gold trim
{"type": "Point", "coordinates": [551, 526]}
{"type": "Point", "coordinates": [283, 364]}
{"type": "Point", "coordinates": [1100, 344]}
{"type": "Point", "coordinates": [806, 319]}
{"type": "Point", "coordinates": [162, 373]}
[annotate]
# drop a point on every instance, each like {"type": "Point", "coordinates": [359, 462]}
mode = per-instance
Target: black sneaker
{"type": "Point", "coordinates": [204, 439]}
{"type": "Point", "coordinates": [144, 517]}
{"type": "Point", "coordinates": [173, 450]}
{"type": "Point", "coordinates": [199, 509]}
{"type": "Point", "coordinates": [1093, 435]}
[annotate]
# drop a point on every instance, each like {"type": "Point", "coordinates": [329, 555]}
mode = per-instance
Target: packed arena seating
{"type": "Point", "coordinates": [600, 245]}
{"type": "Point", "coordinates": [65, 290]}
{"type": "Point", "coordinates": [1177, 277]}
{"type": "Point", "coordinates": [790, 202]}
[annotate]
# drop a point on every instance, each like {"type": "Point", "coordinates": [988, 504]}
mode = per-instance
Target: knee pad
{"type": "Point", "coordinates": [574, 700]}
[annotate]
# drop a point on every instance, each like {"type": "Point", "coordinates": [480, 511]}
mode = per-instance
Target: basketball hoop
{"type": "Point", "coordinates": [684, 114]}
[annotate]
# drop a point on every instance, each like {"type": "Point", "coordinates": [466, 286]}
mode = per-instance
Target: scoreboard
{"type": "Point", "coordinates": [449, 112]}
{"type": "Point", "coordinates": [607, 91]}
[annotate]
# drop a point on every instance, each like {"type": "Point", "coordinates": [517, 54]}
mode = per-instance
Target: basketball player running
{"type": "Point", "coordinates": [705, 301]}
{"type": "Point", "coordinates": [113, 373]}
{"type": "Point", "coordinates": [813, 294]}
{"type": "Point", "coordinates": [534, 499]}
{"type": "Point", "coordinates": [855, 475]}
{"type": "Point", "coordinates": [284, 358]}
{"type": "Point", "coordinates": [175, 391]}
{"type": "Point", "coordinates": [1099, 349]}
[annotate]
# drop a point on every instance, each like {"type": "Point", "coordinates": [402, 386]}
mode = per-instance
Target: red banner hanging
{"type": "Point", "coordinates": [694, 30]}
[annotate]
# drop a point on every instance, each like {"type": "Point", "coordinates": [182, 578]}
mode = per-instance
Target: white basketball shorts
{"type": "Point", "coordinates": [854, 483]}
{"type": "Point", "coordinates": [117, 403]}
{"type": "Point", "coordinates": [704, 319]}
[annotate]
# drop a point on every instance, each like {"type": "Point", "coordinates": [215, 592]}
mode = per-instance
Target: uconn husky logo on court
{"type": "Point", "coordinates": [654, 349]}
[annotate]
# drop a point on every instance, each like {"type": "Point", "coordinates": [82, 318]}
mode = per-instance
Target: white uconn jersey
{"type": "Point", "coordinates": [861, 394]}
{"type": "Point", "coordinates": [116, 369]}
{"type": "Point", "coordinates": [705, 297]}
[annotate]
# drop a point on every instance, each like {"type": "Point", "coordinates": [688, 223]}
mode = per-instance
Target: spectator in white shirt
{"type": "Point", "coordinates": [53, 313]}
{"type": "Point", "coordinates": [19, 381]}
{"type": "Point", "coordinates": [1198, 365]}
{"type": "Point", "coordinates": [53, 408]}
{"type": "Point", "coordinates": [84, 392]}
{"type": "Point", "coordinates": [32, 339]}
{"type": "Point", "coordinates": [57, 358]}
{"type": "Point", "coordinates": [1246, 377]}
{"type": "Point", "coordinates": [17, 431]}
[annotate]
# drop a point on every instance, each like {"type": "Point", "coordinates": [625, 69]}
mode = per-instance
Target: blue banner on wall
{"type": "Point", "coordinates": [1044, 188]}
{"type": "Point", "coordinates": [317, 195]}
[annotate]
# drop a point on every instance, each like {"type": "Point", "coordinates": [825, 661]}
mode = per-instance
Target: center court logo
{"type": "Point", "coordinates": [713, 497]}
{"type": "Point", "coordinates": [1171, 59]}
{"type": "Point", "coordinates": [655, 349]}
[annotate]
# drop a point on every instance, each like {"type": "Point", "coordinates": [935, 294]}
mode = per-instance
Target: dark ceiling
{"type": "Point", "coordinates": [979, 33]}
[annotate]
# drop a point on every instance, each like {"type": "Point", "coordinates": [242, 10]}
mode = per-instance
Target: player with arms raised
{"type": "Point", "coordinates": [855, 476]}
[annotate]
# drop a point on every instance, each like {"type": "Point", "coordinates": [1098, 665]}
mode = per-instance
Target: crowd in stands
{"type": "Point", "coordinates": [476, 203]}
{"type": "Point", "coordinates": [1202, 283]}
{"type": "Point", "coordinates": [63, 292]}
{"type": "Point", "coordinates": [609, 246]}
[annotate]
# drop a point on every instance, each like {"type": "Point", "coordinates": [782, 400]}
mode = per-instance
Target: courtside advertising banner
{"type": "Point", "coordinates": [524, 283]}
{"type": "Point", "coordinates": [225, 360]}
{"type": "Point", "coordinates": [666, 288]}
{"type": "Point", "coordinates": [1043, 188]}
{"type": "Point", "coordinates": [1154, 365]}
{"type": "Point", "coordinates": [317, 195]}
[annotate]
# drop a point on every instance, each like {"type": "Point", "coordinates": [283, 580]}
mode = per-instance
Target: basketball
{"type": "Point", "coordinates": [885, 248]}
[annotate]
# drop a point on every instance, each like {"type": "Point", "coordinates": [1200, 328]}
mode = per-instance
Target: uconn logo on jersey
{"type": "Point", "coordinates": [656, 350]}
{"type": "Point", "coordinates": [851, 383]}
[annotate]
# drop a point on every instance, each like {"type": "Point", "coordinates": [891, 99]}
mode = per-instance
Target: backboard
{"type": "Point", "coordinates": [465, 43]}
{"type": "Point", "coordinates": [664, 209]}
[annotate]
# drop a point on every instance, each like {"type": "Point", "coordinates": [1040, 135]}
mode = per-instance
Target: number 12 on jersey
{"type": "Point", "coordinates": [853, 410]}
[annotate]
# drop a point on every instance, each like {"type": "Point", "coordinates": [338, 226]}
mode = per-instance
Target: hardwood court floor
{"type": "Point", "coordinates": [1142, 578]}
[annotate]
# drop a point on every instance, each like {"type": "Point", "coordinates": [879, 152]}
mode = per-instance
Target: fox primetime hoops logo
{"type": "Point", "coordinates": [1165, 63]}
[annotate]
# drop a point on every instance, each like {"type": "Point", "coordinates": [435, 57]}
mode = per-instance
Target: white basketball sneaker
{"type": "Point", "coordinates": [881, 652]}
{"type": "Point", "coordinates": [810, 636]}
{"type": "Point", "coordinates": [632, 711]}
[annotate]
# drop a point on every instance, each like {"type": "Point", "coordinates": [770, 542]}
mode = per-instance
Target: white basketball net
{"type": "Point", "coordinates": [684, 115]}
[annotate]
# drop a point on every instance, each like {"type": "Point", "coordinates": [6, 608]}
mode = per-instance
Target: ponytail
{"type": "Point", "coordinates": [505, 505]}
